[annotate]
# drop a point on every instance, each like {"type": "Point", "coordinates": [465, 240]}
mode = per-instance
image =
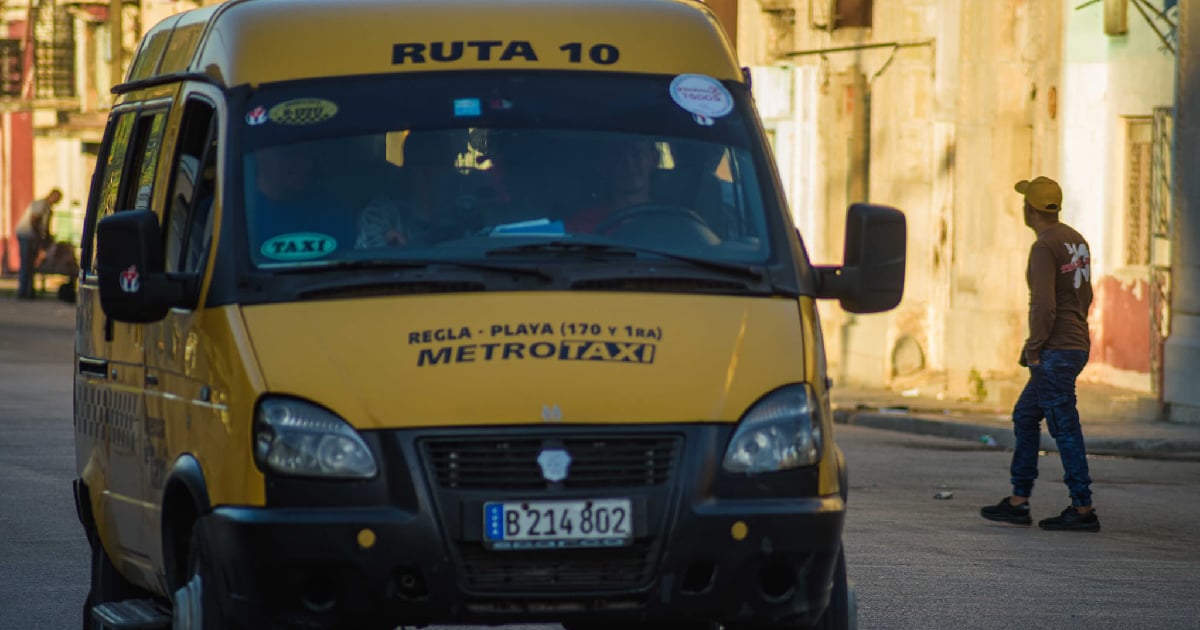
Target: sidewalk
{"type": "Point", "coordinates": [45, 285]}
{"type": "Point", "coordinates": [1115, 422]}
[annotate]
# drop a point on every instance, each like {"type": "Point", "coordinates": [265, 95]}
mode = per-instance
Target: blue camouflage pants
{"type": "Point", "coordinates": [1050, 394]}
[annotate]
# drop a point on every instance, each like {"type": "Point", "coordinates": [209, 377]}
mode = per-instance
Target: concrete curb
{"type": "Point", "coordinates": [990, 435]}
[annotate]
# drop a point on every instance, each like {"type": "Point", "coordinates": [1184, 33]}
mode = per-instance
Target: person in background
{"type": "Point", "coordinates": [33, 235]}
{"type": "Point", "coordinates": [1060, 292]}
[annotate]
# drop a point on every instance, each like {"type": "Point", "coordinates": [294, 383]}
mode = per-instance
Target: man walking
{"type": "Point", "coordinates": [33, 232]}
{"type": "Point", "coordinates": [1060, 292]}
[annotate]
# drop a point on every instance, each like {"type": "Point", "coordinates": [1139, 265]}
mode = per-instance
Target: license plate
{"type": "Point", "coordinates": [558, 524]}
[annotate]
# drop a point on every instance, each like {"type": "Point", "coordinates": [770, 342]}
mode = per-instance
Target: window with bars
{"type": "Point", "coordinates": [1138, 182]}
{"type": "Point", "coordinates": [54, 53]}
{"type": "Point", "coordinates": [10, 67]}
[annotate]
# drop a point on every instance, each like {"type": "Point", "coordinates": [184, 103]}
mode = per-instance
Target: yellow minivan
{"type": "Point", "coordinates": [456, 311]}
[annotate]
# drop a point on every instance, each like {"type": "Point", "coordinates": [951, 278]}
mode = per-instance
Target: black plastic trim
{"type": "Point", "coordinates": [187, 471]}
{"type": "Point", "coordinates": [376, 564]}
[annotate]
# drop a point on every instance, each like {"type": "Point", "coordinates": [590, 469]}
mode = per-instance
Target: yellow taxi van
{"type": "Point", "coordinates": [456, 311]}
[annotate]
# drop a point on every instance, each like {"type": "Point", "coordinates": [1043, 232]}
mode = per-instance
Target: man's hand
{"type": "Point", "coordinates": [1024, 362]}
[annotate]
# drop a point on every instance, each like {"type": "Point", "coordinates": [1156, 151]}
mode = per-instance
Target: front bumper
{"type": "Point", "coordinates": [407, 547]}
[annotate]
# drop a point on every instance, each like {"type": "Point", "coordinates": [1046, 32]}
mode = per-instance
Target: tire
{"type": "Point", "coordinates": [107, 584]}
{"type": "Point", "coordinates": [197, 604]}
{"type": "Point", "coordinates": [840, 614]}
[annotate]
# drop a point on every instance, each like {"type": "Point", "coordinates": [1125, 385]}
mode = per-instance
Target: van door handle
{"type": "Point", "coordinates": [93, 367]}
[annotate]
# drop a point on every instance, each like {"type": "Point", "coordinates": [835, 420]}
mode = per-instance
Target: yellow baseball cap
{"type": "Point", "coordinates": [1042, 193]}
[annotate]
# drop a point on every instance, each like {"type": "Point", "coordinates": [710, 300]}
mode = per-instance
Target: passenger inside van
{"type": "Point", "coordinates": [694, 182]}
{"type": "Point", "coordinates": [286, 199]}
{"type": "Point", "coordinates": [423, 200]}
{"type": "Point", "coordinates": [530, 173]}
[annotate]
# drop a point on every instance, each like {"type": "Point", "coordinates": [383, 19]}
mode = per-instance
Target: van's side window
{"type": "Point", "coordinates": [188, 217]}
{"type": "Point", "coordinates": [110, 183]}
{"type": "Point", "coordinates": [147, 142]}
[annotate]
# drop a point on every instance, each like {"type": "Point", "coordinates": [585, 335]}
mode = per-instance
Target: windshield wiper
{"type": "Point", "coordinates": [383, 263]}
{"type": "Point", "coordinates": [604, 250]}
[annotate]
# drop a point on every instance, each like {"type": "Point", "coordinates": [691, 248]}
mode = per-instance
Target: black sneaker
{"type": "Point", "coordinates": [1006, 512]}
{"type": "Point", "coordinates": [1072, 521]}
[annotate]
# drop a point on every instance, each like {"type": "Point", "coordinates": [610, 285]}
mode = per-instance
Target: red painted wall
{"type": "Point", "coordinates": [16, 176]}
{"type": "Point", "coordinates": [1121, 324]}
{"type": "Point", "coordinates": [19, 176]}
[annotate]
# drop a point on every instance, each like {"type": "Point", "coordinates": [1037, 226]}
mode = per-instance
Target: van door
{"type": "Point", "coordinates": [178, 381]}
{"type": "Point", "coordinates": [110, 376]}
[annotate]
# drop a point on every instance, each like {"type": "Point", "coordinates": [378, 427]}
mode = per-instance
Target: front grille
{"type": "Point", "coordinates": [618, 567]}
{"type": "Point", "coordinates": [511, 463]}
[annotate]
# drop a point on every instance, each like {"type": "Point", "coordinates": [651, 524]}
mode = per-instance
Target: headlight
{"type": "Point", "coordinates": [292, 437]}
{"type": "Point", "coordinates": [780, 432]}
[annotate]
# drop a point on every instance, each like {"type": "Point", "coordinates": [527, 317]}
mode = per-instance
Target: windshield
{"type": "Point", "coordinates": [463, 167]}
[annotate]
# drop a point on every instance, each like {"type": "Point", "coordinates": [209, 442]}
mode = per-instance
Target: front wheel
{"type": "Point", "coordinates": [196, 604]}
{"type": "Point", "coordinates": [840, 614]}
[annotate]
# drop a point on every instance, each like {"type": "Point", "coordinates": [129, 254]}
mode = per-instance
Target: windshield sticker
{"type": "Point", "coordinates": [500, 104]}
{"type": "Point", "coordinates": [467, 107]}
{"type": "Point", "coordinates": [298, 246]}
{"type": "Point", "coordinates": [701, 95]}
{"type": "Point", "coordinates": [256, 116]}
{"type": "Point", "coordinates": [537, 341]}
{"type": "Point", "coordinates": [302, 111]}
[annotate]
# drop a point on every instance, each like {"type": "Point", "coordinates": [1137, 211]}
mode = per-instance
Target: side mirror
{"type": "Point", "coordinates": [871, 278]}
{"type": "Point", "coordinates": [134, 286]}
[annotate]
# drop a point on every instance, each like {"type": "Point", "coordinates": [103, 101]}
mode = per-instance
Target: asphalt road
{"type": "Point", "coordinates": [916, 562]}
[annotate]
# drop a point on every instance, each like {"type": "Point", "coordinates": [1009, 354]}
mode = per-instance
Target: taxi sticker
{"type": "Point", "coordinates": [298, 246]}
{"type": "Point", "coordinates": [302, 111]}
{"type": "Point", "coordinates": [701, 96]}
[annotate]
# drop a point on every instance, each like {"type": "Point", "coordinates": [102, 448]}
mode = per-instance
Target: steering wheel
{"type": "Point", "coordinates": [663, 211]}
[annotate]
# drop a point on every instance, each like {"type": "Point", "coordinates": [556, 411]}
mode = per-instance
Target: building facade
{"type": "Point", "coordinates": [937, 107]}
{"type": "Point", "coordinates": [58, 63]}
{"type": "Point", "coordinates": [932, 106]}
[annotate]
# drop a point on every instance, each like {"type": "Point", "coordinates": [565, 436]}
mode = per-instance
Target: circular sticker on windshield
{"type": "Point", "coordinates": [701, 95]}
{"type": "Point", "coordinates": [298, 246]}
{"type": "Point", "coordinates": [302, 111]}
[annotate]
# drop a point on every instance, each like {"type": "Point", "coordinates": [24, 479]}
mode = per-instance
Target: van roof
{"type": "Point", "coordinates": [262, 41]}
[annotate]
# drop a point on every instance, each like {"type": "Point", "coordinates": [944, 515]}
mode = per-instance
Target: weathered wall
{"type": "Point", "coordinates": [1004, 128]}
{"type": "Point", "coordinates": [1110, 81]}
{"type": "Point", "coordinates": [961, 111]}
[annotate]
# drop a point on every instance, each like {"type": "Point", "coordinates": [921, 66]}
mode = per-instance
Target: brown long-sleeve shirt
{"type": "Point", "coordinates": [1060, 292]}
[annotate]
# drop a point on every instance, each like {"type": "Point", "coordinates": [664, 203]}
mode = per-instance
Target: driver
{"type": "Point", "coordinates": [624, 170]}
